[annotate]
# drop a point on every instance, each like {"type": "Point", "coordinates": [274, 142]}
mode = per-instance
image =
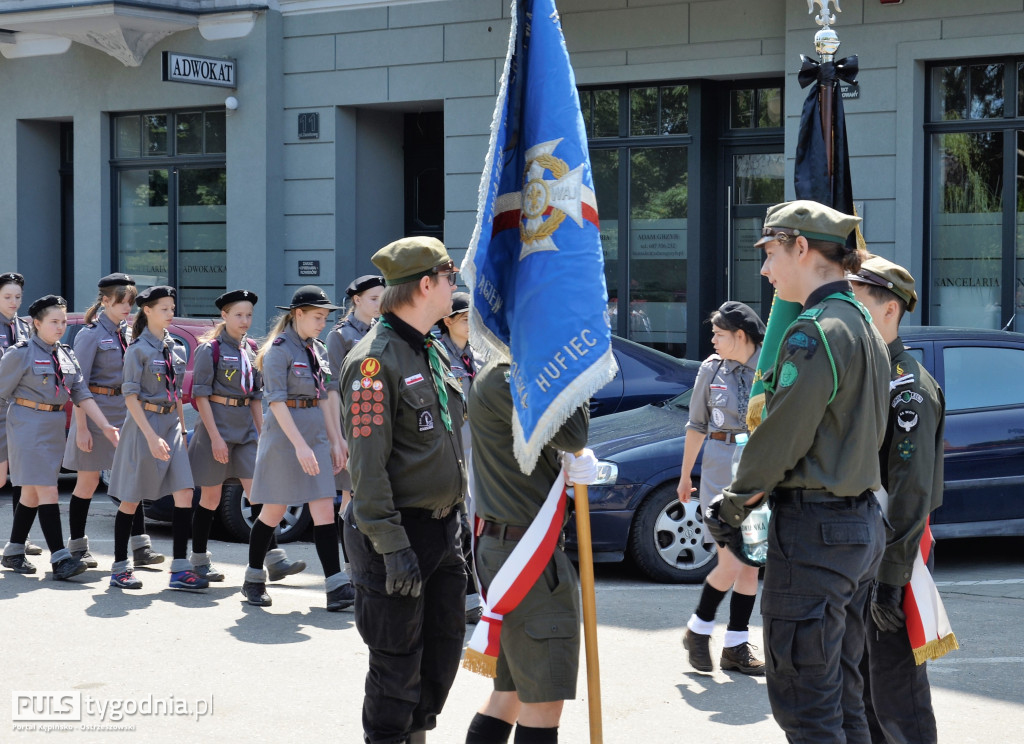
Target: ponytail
{"type": "Point", "coordinates": [139, 325]}
{"type": "Point", "coordinates": [93, 311]}
{"type": "Point", "coordinates": [280, 324]}
{"type": "Point", "coordinates": [213, 332]}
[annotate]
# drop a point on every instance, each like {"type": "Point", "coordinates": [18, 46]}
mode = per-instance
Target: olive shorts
{"type": "Point", "coordinates": [540, 638]}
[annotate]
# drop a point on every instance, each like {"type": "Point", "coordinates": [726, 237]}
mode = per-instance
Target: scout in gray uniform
{"type": "Point", "coordinates": [816, 453]}
{"type": "Point", "coordinates": [37, 377]}
{"type": "Point", "coordinates": [403, 414]}
{"type": "Point", "coordinates": [301, 447]}
{"type": "Point", "coordinates": [12, 330]}
{"type": "Point", "coordinates": [896, 691]}
{"type": "Point", "coordinates": [151, 460]}
{"type": "Point", "coordinates": [454, 329]}
{"type": "Point", "coordinates": [364, 294]}
{"type": "Point", "coordinates": [718, 412]}
{"type": "Point", "coordinates": [227, 390]}
{"type": "Point", "coordinates": [538, 661]}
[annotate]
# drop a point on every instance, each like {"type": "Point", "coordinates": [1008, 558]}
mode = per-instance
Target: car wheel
{"type": "Point", "coordinates": [667, 539]}
{"type": "Point", "coordinates": [236, 516]}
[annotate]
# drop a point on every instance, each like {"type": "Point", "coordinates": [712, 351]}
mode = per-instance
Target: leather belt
{"type": "Point", "coordinates": [154, 408]}
{"type": "Point", "coordinates": [507, 532]}
{"type": "Point", "coordinates": [100, 390]}
{"type": "Point", "coordinates": [725, 436]}
{"type": "Point", "coordinates": [417, 513]}
{"type": "Point", "coordinates": [225, 400]}
{"type": "Point", "coordinates": [51, 407]}
{"type": "Point", "coordinates": [302, 402]}
{"type": "Point", "coordinates": [812, 496]}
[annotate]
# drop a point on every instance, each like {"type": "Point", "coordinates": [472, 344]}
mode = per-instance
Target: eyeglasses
{"type": "Point", "coordinates": [448, 270]}
{"type": "Point", "coordinates": [779, 235]}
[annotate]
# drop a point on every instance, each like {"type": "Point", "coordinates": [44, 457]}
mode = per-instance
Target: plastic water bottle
{"type": "Point", "coordinates": [755, 527]}
{"type": "Point", "coordinates": [737, 453]}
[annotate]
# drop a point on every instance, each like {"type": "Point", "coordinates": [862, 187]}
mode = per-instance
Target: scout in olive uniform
{"type": "Point", "coordinates": [896, 690]}
{"type": "Point", "coordinates": [12, 330]}
{"type": "Point", "coordinates": [718, 412]}
{"type": "Point", "coordinates": [151, 460]}
{"type": "Point", "coordinates": [403, 414]}
{"type": "Point", "coordinates": [816, 453]}
{"type": "Point", "coordinates": [364, 294]}
{"type": "Point", "coordinates": [301, 447]}
{"type": "Point", "coordinates": [538, 661]}
{"type": "Point", "coordinates": [37, 378]}
{"type": "Point", "coordinates": [227, 390]}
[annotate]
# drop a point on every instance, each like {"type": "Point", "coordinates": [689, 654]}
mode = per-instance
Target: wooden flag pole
{"type": "Point", "coordinates": [586, 559]}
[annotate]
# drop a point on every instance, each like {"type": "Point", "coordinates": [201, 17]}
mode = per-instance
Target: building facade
{"type": "Point", "coordinates": [350, 123]}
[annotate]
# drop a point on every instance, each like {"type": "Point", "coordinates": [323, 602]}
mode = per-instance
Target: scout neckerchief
{"type": "Point", "coordinates": [515, 578]}
{"type": "Point", "coordinates": [58, 375]}
{"type": "Point", "coordinates": [122, 338]}
{"type": "Point", "coordinates": [12, 331]}
{"type": "Point", "coordinates": [436, 373]}
{"type": "Point", "coordinates": [247, 376]}
{"type": "Point", "coordinates": [172, 391]}
{"type": "Point", "coordinates": [315, 368]}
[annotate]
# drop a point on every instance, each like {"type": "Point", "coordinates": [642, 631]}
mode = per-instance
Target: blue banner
{"type": "Point", "coordinates": [535, 264]}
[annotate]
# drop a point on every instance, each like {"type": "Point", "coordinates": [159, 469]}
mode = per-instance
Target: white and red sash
{"type": "Point", "coordinates": [931, 635]}
{"type": "Point", "coordinates": [514, 579]}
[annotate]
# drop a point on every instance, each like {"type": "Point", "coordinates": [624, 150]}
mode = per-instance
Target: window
{"type": "Point", "coordinates": [975, 139]}
{"type": "Point", "coordinates": [755, 108]}
{"type": "Point", "coordinates": [171, 203]}
{"type": "Point", "coordinates": [1002, 385]}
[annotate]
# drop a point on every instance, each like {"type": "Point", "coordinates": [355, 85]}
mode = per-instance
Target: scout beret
{"type": "Point", "coordinates": [309, 296]}
{"type": "Point", "coordinates": [12, 277]}
{"type": "Point", "coordinates": [363, 283]}
{"type": "Point", "coordinates": [743, 318]}
{"type": "Point", "coordinates": [884, 273]}
{"type": "Point", "coordinates": [116, 280]}
{"type": "Point", "coordinates": [236, 295]}
{"type": "Point", "coordinates": [409, 259]}
{"type": "Point", "coordinates": [807, 218]}
{"type": "Point", "coordinates": [460, 303]}
{"type": "Point", "coordinates": [44, 302]}
{"type": "Point", "coordinates": [152, 294]}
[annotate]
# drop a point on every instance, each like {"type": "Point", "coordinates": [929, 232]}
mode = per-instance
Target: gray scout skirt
{"type": "Point", "coordinates": [136, 474]}
{"type": "Point", "coordinates": [715, 474]}
{"type": "Point", "coordinates": [102, 455]}
{"type": "Point", "coordinates": [36, 445]}
{"type": "Point", "coordinates": [239, 433]}
{"type": "Point", "coordinates": [279, 478]}
{"type": "Point", "coordinates": [4, 456]}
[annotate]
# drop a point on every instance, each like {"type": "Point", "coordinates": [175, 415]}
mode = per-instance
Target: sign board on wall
{"type": "Point", "coordinates": [309, 268]}
{"type": "Point", "coordinates": [191, 68]}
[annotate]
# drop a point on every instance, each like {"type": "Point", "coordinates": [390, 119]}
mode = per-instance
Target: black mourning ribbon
{"type": "Point", "coordinates": [825, 73]}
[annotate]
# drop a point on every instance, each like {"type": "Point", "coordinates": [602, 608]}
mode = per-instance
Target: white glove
{"type": "Point", "coordinates": [581, 469]}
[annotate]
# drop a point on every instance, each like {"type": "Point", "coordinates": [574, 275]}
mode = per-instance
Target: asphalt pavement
{"type": "Point", "coordinates": [170, 666]}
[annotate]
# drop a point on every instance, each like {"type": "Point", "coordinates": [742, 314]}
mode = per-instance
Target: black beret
{"type": "Point", "coordinates": [236, 295]}
{"type": "Point", "coordinates": [12, 277]}
{"type": "Point", "coordinates": [460, 303]}
{"type": "Point", "coordinates": [152, 294]}
{"type": "Point", "coordinates": [743, 318]}
{"type": "Point", "coordinates": [116, 280]}
{"type": "Point", "coordinates": [309, 296]}
{"type": "Point", "coordinates": [44, 302]}
{"type": "Point", "coordinates": [363, 283]}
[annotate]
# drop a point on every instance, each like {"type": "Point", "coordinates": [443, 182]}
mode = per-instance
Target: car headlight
{"type": "Point", "coordinates": [607, 473]}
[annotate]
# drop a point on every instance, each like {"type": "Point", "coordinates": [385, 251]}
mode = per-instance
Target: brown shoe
{"type": "Point", "coordinates": [742, 660]}
{"type": "Point", "coordinates": [699, 647]}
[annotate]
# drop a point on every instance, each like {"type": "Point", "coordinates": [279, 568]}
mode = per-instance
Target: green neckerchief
{"type": "Point", "coordinates": [437, 373]}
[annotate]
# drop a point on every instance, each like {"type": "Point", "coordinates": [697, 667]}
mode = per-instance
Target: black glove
{"type": "Point", "coordinates": [403, 569]}
{"type": "Point", "coordinates": [725, 534]}
{"type": "Point", "coordinates": [887, 607]}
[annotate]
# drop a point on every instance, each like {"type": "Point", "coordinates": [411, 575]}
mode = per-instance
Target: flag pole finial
{"type": "Point", "coordinates": [826, 42]}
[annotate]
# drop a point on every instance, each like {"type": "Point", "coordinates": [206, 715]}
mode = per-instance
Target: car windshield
{"type": "Point", "coordinates": [680, 401]}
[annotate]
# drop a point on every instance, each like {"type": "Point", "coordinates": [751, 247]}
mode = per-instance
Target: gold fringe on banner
{"type": "Point", "coordinates": [755, 411]}
{"type": "Point", "coordinates": [479, 663]}
{"type": "Point", "coordinates": [935, 649]}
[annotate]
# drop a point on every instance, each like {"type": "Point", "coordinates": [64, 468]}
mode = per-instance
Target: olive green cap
{"type": "Point", "coordinates": [409, 259]}
{"type": "Point", "coordinates": [810, 219]}
{"type": "Point", "coordinates": [884, 273]}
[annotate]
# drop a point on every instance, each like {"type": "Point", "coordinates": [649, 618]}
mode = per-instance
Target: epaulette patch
{"type": "Point", "coordinates": [811, 313]}
{"type": "Point", "coordinates": [278, 341]}
{"type": "Point", "coordinates": [20, 344]}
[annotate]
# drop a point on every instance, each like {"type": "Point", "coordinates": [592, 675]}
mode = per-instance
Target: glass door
{"type": "Point", "coordinates": [201, 237]}
{"type": "Point", "coordinates": [143, 227]}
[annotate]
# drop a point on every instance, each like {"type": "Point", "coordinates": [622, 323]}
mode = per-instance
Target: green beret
{"type": "Point", "coordinates": [884, 273]}
{"type": "Point", "coordinates": [810, 219]}
{"type": "Point", "coordinates": [409, 259]}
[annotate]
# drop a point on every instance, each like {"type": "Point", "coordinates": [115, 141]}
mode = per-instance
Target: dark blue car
{"type": "Point", "coordinates": [635, 512]}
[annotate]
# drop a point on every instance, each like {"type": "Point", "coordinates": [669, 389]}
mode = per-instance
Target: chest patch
{"type": "Point", "coordinates": [424, 421]}
{"type": "Point", "coordinates": [788, 374]}
{"type": "Point", "coordinates": [717, 417]}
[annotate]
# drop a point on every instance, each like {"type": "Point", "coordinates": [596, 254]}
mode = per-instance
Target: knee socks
{"type": "Point", "coordinates": [202, 521]}
{"type": "Point", "coordinates": [139, 521]}
{"type": "Point", "coordinates": [710, 598]}
{"type": "Point", "coordinates": [272, 545]}
{"type": "Point", "coordinates": [488, 730]}
{"type": "Point", "coordinates": [741, 606]}
{"type": "Point", "coordinates": [15, 497]}
{"type": "Point", "coordinates": [78, 514]}
{"type": "Point", "coordinates": [326, 538]}
{"type": "Point", "coordinates": [24, 516]}
{"type": "Point", "coordinates": [122, 533]}
{"type": "Point", "coordinates": [259, 544]}
{"type": "Point", "coordinates": [181, 529]}
{"type": "Point", "coordinates": [530, 735]}
{"type": "Point", "coordinates": [49, 522]}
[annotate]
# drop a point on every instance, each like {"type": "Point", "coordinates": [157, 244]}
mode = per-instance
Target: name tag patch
{"type": "Point", "coordinates": [424, 420]}
{"type": "Point", "coordinates": [414, 379]}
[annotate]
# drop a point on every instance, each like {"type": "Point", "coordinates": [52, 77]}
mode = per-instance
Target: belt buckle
{"type": "Point", "coordinates": [441, 513]}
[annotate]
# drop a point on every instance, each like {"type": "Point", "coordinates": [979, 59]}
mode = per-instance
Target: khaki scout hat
{"type": "Point", "coordinates": [807, 218]}
{"type": "Point", "coordinates": [884, 273]}
{"type": "Point", "coordinates": [409, 259]}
